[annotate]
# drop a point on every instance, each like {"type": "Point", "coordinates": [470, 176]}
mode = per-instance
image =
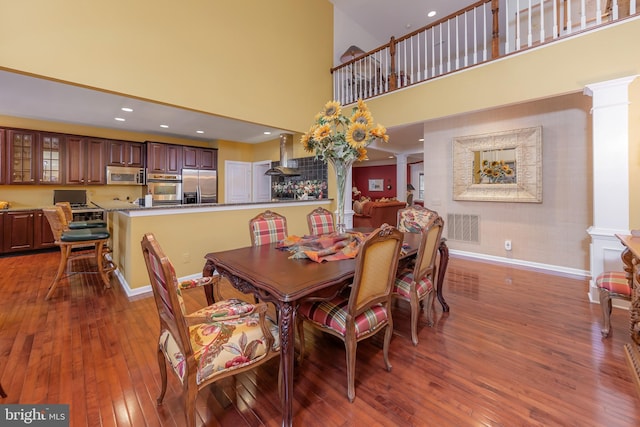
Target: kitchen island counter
{"type": "Point", "coordinates": [188, 232]}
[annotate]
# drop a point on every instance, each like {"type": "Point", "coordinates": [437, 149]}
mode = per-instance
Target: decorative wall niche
{"type": "Point", "coordinates": [499, 167]}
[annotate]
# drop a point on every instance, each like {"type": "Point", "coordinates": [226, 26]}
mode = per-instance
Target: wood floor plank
{"type": "Point", "coordinates": [518, 347]}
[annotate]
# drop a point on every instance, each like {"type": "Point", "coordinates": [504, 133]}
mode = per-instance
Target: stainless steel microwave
{"type": "Point", "coordinates": [119, 175]}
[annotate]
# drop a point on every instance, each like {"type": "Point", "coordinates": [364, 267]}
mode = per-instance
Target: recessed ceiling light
{"type": "Point", "coordinates": [421, 140]}
{"type": "Point", "coordinates": [127, 109]}
{"type": "Point", "coordinates": [164, 126]}
{"type": "Point", "coordinates": [391, 157]}
{"type": "Point", "coordinates": [120, 119]}
{"type": "Point", "coordinates": [431, 14]}
{"type": "Point", "coordinates": [199, 131]}
{"type": "Point", "coordinates": [267, 132]}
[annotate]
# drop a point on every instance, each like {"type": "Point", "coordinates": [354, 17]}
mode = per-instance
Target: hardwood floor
{"type": "Point", "coordinates": [519, 348]}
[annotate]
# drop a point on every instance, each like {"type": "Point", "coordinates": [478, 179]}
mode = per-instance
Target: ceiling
{"type": "Point", "coordinates": [41, 99]}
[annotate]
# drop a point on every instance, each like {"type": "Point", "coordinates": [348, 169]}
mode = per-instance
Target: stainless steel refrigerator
{"type": "Point", "coordinates": [199, 186]}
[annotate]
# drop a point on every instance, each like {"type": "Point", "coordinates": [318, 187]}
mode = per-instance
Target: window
{"type": "Point", "coordinates": [421, 186]}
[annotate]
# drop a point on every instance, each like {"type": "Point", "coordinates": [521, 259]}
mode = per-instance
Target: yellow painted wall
{"type": "Point", "coordinates": [250, 61]}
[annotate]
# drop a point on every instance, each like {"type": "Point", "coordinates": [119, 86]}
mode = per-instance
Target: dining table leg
{"type": "Point", "coordinates": [286, 322]}
{"type": "Point", "coordinates": [442, 269]}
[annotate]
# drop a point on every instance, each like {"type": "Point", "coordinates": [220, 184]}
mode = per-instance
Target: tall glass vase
{"type": "Point", "coordinates": [341, 168]}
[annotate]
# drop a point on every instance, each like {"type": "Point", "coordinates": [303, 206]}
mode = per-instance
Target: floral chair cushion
{"type": "Point", "coordinates": [403, 284]}
{"type": "Point", "coordinates": [413, 220]}
{"type": "Point", "coordinates": [333, 314]}
{"type": "Point", "coordinates": [322, 224]}
{"type": "Point", "coordinates": [219, 346]}
{"type": "Point", "coordinates": [269, 231]}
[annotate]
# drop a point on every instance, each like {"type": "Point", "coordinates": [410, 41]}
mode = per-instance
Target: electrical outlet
{"type": "Point", "coordinates": [186, 257]}
{"type": "Point", "coordinates": [507, 245]}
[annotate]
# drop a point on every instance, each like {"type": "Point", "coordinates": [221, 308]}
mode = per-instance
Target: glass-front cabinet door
{"type": "Point", "coordinates": [50, 162]}
{"type": "Point", "coordinates": [22, 156]}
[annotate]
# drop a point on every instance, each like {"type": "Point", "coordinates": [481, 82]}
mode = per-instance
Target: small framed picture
{"type": "Point", "coordinates": [376, 185]}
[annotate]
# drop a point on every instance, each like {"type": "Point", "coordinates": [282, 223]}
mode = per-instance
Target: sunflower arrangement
{"type": "Point", "coordinates": [336, 137]}
{"type": "Point", "coordinates": [495, 171]}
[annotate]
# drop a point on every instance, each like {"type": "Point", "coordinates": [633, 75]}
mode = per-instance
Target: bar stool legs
{"type": "Point", "coordinates": [104, 267]}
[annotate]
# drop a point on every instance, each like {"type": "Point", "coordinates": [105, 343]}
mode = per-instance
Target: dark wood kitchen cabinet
{"type": "Point", "coordinates": [85, 161]}
{"type": "Point", "coordinates": [42, 234]}
{"type": "Point", "coordinates": [50, 158]}
{"type": "Point", "coordinates": [164, 158]}
{"type": "Point", "coordinates": [18, 231]}
{"type": "Point", "coordinates": [2, 168]}
{"type": "Point", "coordinates": [199, 158]}
{"type": "Point", "coordinates": [21, 156]}
{"type": "Point", "coordinates": [125, 153]}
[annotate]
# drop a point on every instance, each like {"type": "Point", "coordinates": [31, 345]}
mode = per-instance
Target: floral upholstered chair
{"type": "Point", "coordinates": [366, 310]}
{"type": "Point", "coordinates": [320, 222]}
{"type": "Point", "coordinates": [267, 227]}
{"type": "Point", "coordinates": [414, 218]}
{"type": "Point", "coordinates": [217, 341]}
{"type": "Point", "coordinates": [417, 284]}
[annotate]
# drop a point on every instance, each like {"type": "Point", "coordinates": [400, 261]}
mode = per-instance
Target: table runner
{"type": "Point", "coordinates": [327, 247]}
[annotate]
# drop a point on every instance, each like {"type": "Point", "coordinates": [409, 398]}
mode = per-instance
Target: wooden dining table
{"type": "Point", "coordinates": [268, 273]}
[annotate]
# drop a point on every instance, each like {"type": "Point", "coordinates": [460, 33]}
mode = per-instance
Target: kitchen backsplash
{"type": "Point", "coordinates": [310, 184]}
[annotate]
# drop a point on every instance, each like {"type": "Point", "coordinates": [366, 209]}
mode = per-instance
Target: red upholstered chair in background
{"type": "Point", "coordinates": [320, 221]}
{"type": "Point", "coordinates": [612, 284]}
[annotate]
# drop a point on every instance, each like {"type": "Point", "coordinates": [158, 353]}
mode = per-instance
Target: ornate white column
{"type": "Point", "coordinates": [610, 113]}
{"type": "Point", "coordinates": [401, 177]}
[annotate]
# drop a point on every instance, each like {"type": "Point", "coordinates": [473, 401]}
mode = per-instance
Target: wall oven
{"type": "Point", "coordinates": [165, 188]}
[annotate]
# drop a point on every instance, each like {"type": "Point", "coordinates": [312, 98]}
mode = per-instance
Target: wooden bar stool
{"type": "Point", "coordinates": [68, 239]}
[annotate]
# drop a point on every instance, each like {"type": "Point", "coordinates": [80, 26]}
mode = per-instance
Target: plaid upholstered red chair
{"type": "Point", "coordinates": [320, 221]}
{"type": "Point", "coordinates": [612, 284]}
{"type": "Point", "coordinates": [366, 310]}
{"type": "Point", "coordinates": [267, 227]}
{"type": "Point", "coordinates": [212, 343]}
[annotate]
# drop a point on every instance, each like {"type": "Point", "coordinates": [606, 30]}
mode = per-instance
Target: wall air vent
{"type": "Point", "coordinates": [464, 228]}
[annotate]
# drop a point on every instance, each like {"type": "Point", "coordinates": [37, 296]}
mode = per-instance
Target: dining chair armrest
{"type": "Point", "coordinates": [198, 282]}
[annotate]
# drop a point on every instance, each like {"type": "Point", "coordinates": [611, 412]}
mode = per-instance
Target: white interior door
{"type": "Point", "coordinates": [261, 182]}
{"type": "Point", "coordinates": [237, 182]}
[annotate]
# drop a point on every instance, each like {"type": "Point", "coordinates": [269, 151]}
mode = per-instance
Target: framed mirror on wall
{"type": "Point", "coordinates": [499, 167]}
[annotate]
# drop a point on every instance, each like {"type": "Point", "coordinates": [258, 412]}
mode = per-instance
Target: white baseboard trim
{"type": "Point", "coordinates": [547, 268]}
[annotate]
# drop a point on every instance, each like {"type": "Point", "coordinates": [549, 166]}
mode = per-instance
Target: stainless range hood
{"type": "Point", "coordinates": [286, 150]}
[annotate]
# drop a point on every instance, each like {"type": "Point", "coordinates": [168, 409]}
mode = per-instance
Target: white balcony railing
{"type": "Point", "coordinates": [483, 31]}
